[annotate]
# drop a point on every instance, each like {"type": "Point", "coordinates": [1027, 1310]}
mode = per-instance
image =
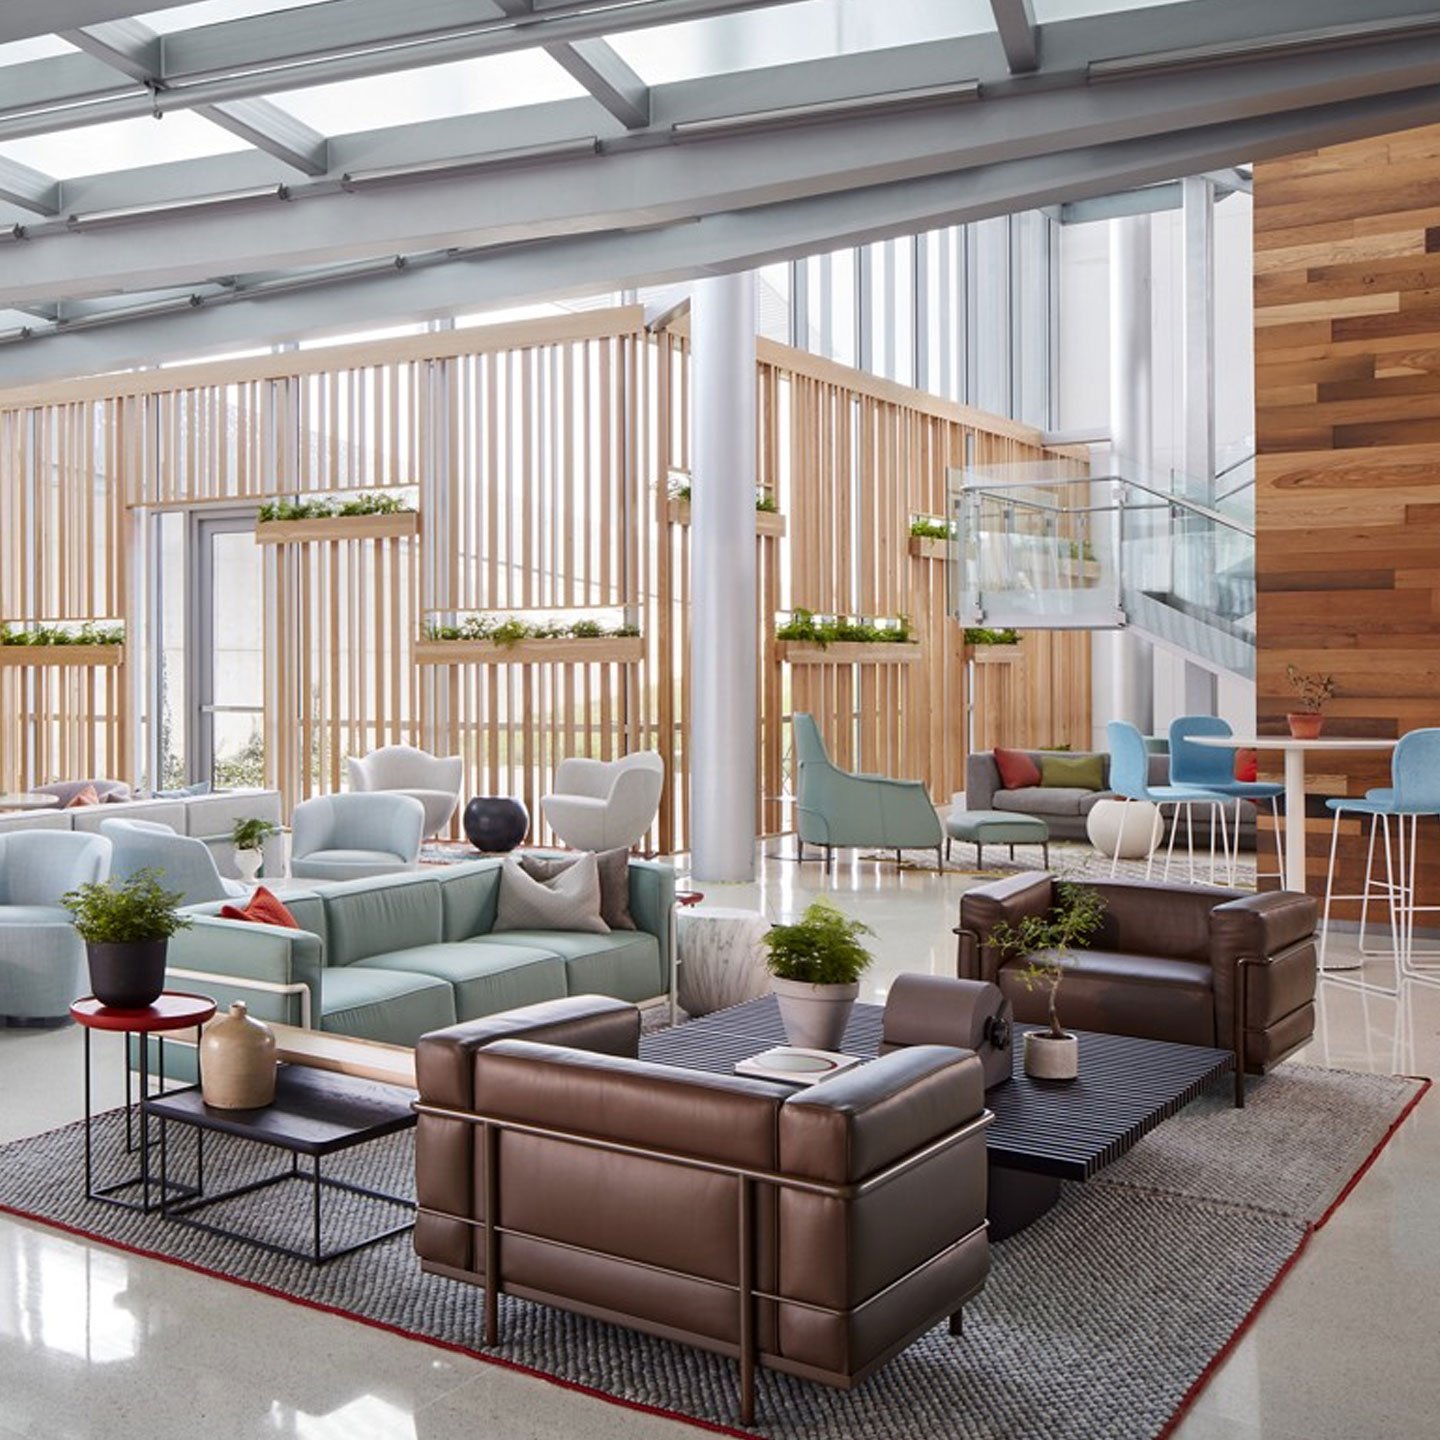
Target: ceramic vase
{"type": "Point", "coordinates": [815, 1016]}
{"type": "Point", "coordinates": [1050, 1058]}
{"type": "Point", "coordinates": [248, 863]}
{"type": "Point", "coordinates": [495, 824]}
{"type": "Point", "coordinates": [237, 1062]}
{"type": "Point", "coordinates": [1305, 724]}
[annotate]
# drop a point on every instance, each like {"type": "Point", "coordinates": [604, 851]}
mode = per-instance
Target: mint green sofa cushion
{"type": "Point", "coordinates": [625, 963]}
{"type": "Point", "coordinates": [486, 978]}
{"type": "Point", "coordinates": [370, 916]}
{"type": "Point", "coordinates": [396, 1007]}
{"type": "Point", "coordinates": [469, 893]}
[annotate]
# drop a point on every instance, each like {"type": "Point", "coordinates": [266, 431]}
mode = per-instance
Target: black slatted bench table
{"type": "Point", "coordinates": [1045, 1131]}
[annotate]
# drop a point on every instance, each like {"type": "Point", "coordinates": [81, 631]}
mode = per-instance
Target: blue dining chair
{"type": "Point", "coordinates": [1130, 779]}
{"type": "Point", "coordinates": [1413, 794]}
{"type": "Point", "coordinates": [1212, 767]}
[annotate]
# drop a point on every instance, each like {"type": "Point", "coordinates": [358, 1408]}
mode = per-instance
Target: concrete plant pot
{"type": "Point", "coordinates": [815, 1016]}
{"type": "Point", "coordinates": [247, 863]}
{"type": "Point", "coordinates": [1049, 1058]}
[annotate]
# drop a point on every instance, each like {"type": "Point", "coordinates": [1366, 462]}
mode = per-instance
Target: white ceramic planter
{"type": "Point", "coordinates": [248, 863]}
{"type": "Point", "coordinates": [1047, 1058]}
{"type": "Point", "coordinates": [815, 1016]}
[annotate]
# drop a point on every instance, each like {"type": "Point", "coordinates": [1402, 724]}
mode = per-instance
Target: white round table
{"type": "Point", "coordinates": [722, 961]}
{"type": "Point", "coordinates": [1295, 751]}
{"type": "Point", "coordinates": [28, 800]}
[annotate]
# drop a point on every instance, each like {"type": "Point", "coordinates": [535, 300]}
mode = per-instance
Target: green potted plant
{"type": "Point", "coordinates": [126, 926]}
{"type": "Point", "coordinates": [1045, 941]}
{"type": "Point", "coordinates": [248, 837]}
{"type": "Point", "coordinates": [815, 964]}
{"type": "Point", "coordinates": [1314, 692]}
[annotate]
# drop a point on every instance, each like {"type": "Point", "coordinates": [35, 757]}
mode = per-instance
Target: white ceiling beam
{"type": "Point", "coordinates": [1015, 20]}
{"type": "Point", "coordinates": [29, 189]}
{"type": "Point", "coordinates": [589, 264]}
{"type": "Point", "coordinates": [636, 183]}
{"type": "Point", "coordinates": [135, 51]}
{"type": "Point", "coordinates": [596, 66]}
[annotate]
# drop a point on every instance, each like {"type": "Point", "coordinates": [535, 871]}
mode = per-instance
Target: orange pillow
{"type": "Point", "coordinates": [1017, 770]}
{"type": "Point", "coordinates": [87, 796]}
{"type": "Point", "coordinates": [1247, 765]}
{"type": "Point", "coordinates": [262, 909]}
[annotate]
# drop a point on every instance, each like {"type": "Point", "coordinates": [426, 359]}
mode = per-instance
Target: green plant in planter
{"type": "Point", "coordinates": [808, 628]}
{"type": "Point", "coordinates": [823, 947]}
{"type": "Point", "coordinates": [1046, 941]}
{"type": "Point", "coordinates": [984, 635]}
{"type": "Point", "coordinates": [252, 833]}
{"type": "Point", "coordinates": [927, 527]}
{"type": "Point", "coordinates": [91, 632]}
{"type": "Point", "coordinates": [122, 912]}
{"type": "Point", "coordinates": [1314, 692]}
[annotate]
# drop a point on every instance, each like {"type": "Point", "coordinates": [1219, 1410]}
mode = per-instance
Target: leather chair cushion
{"type": "Point", "coordinates": [1262, 924]}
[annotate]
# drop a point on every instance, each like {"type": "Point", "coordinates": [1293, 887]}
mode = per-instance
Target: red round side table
{"type": "Point", "coordinates": [174, 1010]}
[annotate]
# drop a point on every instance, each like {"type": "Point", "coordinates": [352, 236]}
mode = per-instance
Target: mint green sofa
{"type": "Point", "coordinates": [391, 957]}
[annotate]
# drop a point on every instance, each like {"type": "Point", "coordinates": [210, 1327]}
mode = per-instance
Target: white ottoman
{"type": "Point", "coordinates": [722, 961]}
{"type": "Point", "coordinates": [1143, 830]}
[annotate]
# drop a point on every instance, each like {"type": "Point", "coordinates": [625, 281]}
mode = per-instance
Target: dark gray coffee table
{"type": "Point", "coordinates": [1045, 1131]}
{"type": "Point", "coordinates": [316, 1114]}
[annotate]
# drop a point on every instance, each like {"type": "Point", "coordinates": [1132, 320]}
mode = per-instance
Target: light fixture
{"type": "Point", "coordinates": [1264, 47]}
{"type": "Point", "coordinates": [521, 156]}
{"type": "Point", "coordinates": [146, 210]}
{"type": "Point", "coordinates": [886, 103]}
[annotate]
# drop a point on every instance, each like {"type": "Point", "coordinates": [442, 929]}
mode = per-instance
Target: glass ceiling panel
{"type": "Point", "coordinates": [1049, 10]}
{"type": "Point", "coordinates": [39, 47]}
{"type": "Point", "coordinates": [466, 87]}
{"type": "Point", "coordinates": [810, 30]}
{"type": "Point", "coordinates": [212, 12]}
{"type": "Point", "coordinates": [122, 145]}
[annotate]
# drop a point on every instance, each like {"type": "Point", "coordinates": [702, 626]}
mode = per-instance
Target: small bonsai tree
{"type": "Point", "coordinates": [1314, 691]}
{"type": "Point", "coordinates": [124, 912]}
{"type": "Point", "coordinates": [252, 834]}
{"type": "Point", "coordinates": [822, 947]}
{"type": "Point", "coordinates": [1046, 941]}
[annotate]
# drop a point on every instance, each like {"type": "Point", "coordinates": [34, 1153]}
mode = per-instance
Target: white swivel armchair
{"type": "Point", "coordinates": [402, 769]}
{"type": "Point", "coordinates": [605, 804]}
{"type": "Point", "coordinates": [186, 866]}
{"type": "Point", "coordinates": [347, 837]}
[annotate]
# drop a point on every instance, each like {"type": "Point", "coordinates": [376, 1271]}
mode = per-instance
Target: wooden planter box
{"type": "Point", "coordinates": [607, 650]}
{"type": "Point", "coordinates": [62, 654]}
{"type": "Point", "coordinates": [337, 527]}
{"type": "Point", "coordinates": [767, 522]}
{"type": "Point", "coordinates": [848, 652]}
{"type": "Point", "coordinates": [996, 654]}
{"type": "Point", "coordinates": [925, 547]}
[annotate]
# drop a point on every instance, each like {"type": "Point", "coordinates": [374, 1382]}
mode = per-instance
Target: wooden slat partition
{"type": "Point", "coordinates": [538, 455]}
{"type": "Point", "coordinates": [1347, 390]}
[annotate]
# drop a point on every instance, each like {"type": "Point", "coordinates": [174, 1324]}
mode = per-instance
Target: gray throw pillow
{"type": "Point", "coordinates": [567, 901]}
{"type": "Point", "coordinates": [614, 869]}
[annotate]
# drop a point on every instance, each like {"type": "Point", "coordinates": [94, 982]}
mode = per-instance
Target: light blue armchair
{"type": "Point", "coordinates": [348, 837]}
{"type": "Point", "coordinates": [836, 807]}
{"type": "Point", "coordinates": [186, 865]}
{"type": "Point", "coordinates": [42, 958]}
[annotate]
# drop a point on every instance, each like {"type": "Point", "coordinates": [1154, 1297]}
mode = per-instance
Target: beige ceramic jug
{"type": "Point", "coordinates": [237, 1062]}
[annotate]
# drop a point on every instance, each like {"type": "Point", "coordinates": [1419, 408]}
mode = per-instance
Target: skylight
{"type": "Point", "coordinates": [122, 145]}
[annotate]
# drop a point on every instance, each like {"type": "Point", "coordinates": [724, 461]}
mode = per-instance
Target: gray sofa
{"type": "Point", "coordinates": [1065, 810]}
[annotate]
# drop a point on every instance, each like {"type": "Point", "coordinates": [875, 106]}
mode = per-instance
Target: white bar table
{"type": "Point", "coordinates": [1295, 752]}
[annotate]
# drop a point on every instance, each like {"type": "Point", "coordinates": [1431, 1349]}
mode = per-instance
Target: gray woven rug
{"type": "Point", "coordinates": [1073, 860]}
{"type": "Point", "coordinates": [1095, 1324]}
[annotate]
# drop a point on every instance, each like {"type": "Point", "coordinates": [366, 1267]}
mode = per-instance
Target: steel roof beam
{"type": "Point", "coordinates": [1015, 20]}
{"type": "Point", "coordinates": [29, 189]}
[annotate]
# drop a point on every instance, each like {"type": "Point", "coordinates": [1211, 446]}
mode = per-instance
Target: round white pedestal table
{"type": "Point", "coordinates": [722, 961]}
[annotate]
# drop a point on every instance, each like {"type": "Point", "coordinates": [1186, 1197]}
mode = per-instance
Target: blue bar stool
{"type": "Point", "coordinates": [1213, 768]}
{"type": "Point", "coordinates": [1130, 779]}
{"type": "Point", "coordinates": [1414, 793]}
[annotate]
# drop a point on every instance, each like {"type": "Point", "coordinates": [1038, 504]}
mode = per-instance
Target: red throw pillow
{"type": "Point", "coordinates": [1017, 770]}
{"type": "Point", "coordinates": [1247, 765]}
{"type": "Point", "coordinates": [262, 909]}
{"type": "Point", "coordinates": [87, 796]}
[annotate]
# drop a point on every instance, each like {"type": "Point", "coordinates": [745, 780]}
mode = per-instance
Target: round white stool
{"type": "Point", "coordinates": [722, 960]}
{"type": "Point", "coordinates": [1143, 830]}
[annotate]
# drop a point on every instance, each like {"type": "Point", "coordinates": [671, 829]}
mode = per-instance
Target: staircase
{"type": "Point", "coordinates": [1037, 548]}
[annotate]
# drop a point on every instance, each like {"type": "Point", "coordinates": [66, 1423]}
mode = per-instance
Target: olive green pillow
{"type": "Point", "coordinates": [1072, 772]}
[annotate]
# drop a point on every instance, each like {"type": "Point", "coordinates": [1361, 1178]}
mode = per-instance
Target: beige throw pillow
{"type": "Point", "coordinates": [614, 869]}
{"type": "Point", "coordinates": [567, 901]}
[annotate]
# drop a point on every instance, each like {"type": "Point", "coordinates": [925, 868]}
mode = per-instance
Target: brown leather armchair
{"type": "Point", "coordinates": [1195, 964]}
{"type": "Point", "coordinates": [817, 1233]}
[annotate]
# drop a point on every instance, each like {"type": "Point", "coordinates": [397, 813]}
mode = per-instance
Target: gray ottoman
{"type": "Point", "coordinates": [997, 827]}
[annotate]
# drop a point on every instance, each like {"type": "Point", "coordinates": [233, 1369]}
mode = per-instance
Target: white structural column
{"type": "Point", "coordinates": [723, 637]}
{"type": "Point", "coordinates": [1132, 679]}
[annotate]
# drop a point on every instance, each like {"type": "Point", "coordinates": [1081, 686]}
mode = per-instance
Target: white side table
{"type": "Point", "coordinates": [1142, 832]}
{"type": "Point", "coordinates": [721, 958]}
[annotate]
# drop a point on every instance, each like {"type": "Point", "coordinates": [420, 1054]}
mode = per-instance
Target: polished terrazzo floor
{"type": "Point", "coordinates": [97, 1343]}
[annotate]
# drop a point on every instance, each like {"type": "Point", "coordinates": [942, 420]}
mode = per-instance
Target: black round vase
{"type": "Point", "coordinates": [128, 975]}
{"type": "Point", "coordinates": [496, 823]}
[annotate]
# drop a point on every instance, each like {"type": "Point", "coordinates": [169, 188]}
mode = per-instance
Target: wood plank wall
{"type": "Point", "coordinates": [1347, 388]}
{"type": "Point", "coordinates": [538, 455]}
